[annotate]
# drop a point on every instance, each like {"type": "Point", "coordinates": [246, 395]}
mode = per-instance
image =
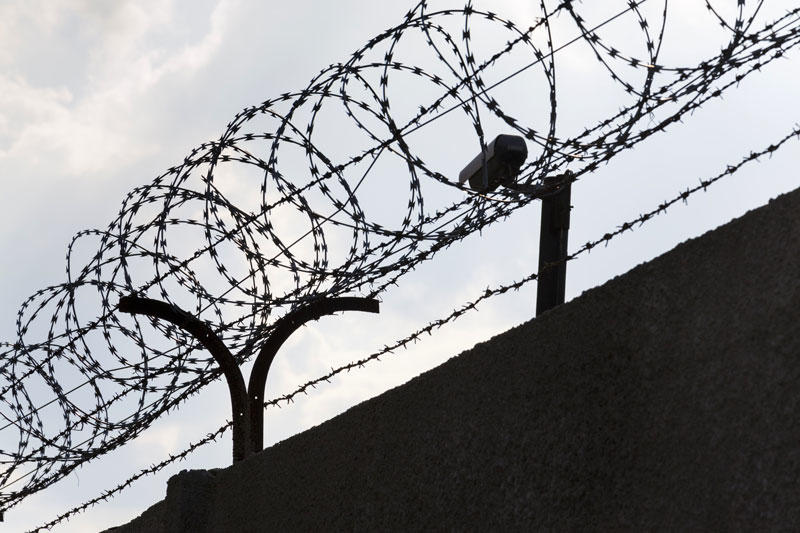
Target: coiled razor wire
{"type": "Point", "coordinates": [429, 328]}
{"type": "Point", "coordinates": [324, 192]}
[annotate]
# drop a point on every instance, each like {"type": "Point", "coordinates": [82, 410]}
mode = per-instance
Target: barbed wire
{"type": "Point", "coordinates": [317, 227]}
{"type": "Point", "coordinates": [152, 469]}
{"type": "Point", "coordinates": [463, 309]}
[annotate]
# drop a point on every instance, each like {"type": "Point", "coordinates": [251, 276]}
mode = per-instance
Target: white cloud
{"type": "Point", "coordinates": [159, 442]}
{"type": "Point", "coordinates": [96, 126]}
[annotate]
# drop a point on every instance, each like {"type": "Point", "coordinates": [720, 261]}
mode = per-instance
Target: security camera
{"type": "Point", "coordinates": [498, 164]}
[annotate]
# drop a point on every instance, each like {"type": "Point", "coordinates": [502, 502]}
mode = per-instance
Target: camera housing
{"type": "Point", "coordinates": [504, 157]}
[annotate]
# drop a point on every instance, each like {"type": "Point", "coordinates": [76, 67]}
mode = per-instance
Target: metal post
{"type": "Point", "coordinates": [553, 238]}
{"type": "Point", "coordinates": [247, 403]}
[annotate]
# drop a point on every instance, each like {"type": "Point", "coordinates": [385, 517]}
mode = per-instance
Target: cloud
{"type": "Point", "coordinates": [94, 125]}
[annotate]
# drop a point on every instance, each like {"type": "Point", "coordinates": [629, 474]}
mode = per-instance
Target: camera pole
{"type": "Point", "coordinates": [553, 238]}
{"type": "Point", "coordinates": [498, 164]}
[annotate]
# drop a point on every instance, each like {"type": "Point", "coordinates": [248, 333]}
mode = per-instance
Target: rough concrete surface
{"type": "Point", "coordinates": [666, 399]}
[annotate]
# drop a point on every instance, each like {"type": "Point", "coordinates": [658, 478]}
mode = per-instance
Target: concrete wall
{"type": "Point", "coordinates": [667, 398]}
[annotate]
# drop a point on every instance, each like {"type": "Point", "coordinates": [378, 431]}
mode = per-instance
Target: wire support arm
{"type": "Point", "coordinates": [246, 402]}
{"type": "Point", "coordinates": [283, 329]}
{"type": "Point", "coordinates": [205, 335]}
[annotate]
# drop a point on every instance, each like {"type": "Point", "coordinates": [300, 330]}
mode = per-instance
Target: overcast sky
{"type": "Point", "coordinates": [99, 97]}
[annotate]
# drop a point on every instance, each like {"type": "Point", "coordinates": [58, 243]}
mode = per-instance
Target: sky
{"type": "Point", "coordinates": [99, 97]}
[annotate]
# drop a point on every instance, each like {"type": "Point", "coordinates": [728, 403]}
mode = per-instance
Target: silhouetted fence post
{"type": "Point", "coordinates": [499, 163]}
{"type": "Point", "coordinates": [247, 403]}
{"type": "Point", "coordinates": [553, 239]}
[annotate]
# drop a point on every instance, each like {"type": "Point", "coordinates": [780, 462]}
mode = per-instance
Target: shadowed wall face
{"type": "Point", "coordinates": [664, 399]}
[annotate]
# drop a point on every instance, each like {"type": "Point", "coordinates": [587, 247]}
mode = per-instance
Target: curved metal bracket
{"type": "Point", "coordinates": [283, 328]}
{"type": "Point", "coordinates": [211, 342]}
{"type": "Point", "coordinates": [246, 407]}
